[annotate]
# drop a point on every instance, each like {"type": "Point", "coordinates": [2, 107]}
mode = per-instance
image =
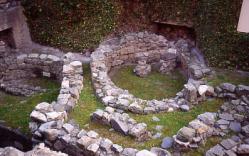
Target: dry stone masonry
{"type": "Point", "coordinates": [231, 117]}
{"type": "Point", "coordinates": [16, 68]}
{"type": "Point", "coordinates": [147, 49]}
{"type": "Point", "coordinates": [121, 122]}
{"type": "Point", "coordinates": [39, 150]}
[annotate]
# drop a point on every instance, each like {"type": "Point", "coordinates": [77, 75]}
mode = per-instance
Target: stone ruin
{"type": "Point", "coordinates": [21, 59]}
{"type": "Point", "coordinates": [146, 48]}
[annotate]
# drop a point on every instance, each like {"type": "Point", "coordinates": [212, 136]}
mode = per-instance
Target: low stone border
{"type": "Point", "coordinates": [39, 150]}
{"type": "Point", "coordinates": [142, 46]}
{"type": "Point", "coordinates": [232, 116]}
{"type": "Point", "coordinates": [121, 122]}
{"type": "Point", "coordinates": [49, 123]}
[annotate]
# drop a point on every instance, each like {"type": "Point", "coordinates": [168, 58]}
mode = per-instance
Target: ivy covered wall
{"type": "Point", "coordinates": [81, 24]}
{"type": "Point", "coordinates": [70, 24]}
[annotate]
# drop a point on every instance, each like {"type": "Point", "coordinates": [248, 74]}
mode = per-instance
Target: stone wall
{"type": "Point", "coordinates": [153, 49]}
{"type": "Point", "coordinates": [39, 150]}
{"type": "Point", "coordinates": [16, 67]}
{"type": "Point", "coordinates": [12, 17]}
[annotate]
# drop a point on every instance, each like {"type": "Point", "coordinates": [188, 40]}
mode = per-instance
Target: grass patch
{"type": "Point", "coordinates": [154, 86]}
{"type": "Point", "coordinates": [173, 121]}
{"type": "Point", "coordinates": [15, 110]}
{"type": "Point", "coordinates": [88, 102]}
{"type": "Point", "coordinates": [223, 76]}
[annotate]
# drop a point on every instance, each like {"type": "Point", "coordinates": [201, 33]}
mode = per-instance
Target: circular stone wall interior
{"type": "Point", "coordinates": [142, 48]}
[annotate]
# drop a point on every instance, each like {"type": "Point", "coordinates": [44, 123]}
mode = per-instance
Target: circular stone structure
{"type": "Point", "coordinates": [154, 49]}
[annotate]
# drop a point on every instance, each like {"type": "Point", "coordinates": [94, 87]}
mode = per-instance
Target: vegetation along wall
{"type": "Point", "coordinates": [82, 24]}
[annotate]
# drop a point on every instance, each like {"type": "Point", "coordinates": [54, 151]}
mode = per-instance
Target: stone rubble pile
{"type": "Point", "coordinates": [142, 69]}
{"type": "Point", "coordinates": [196, 132]}
{"type": "Point", "coordinates": [39, 150]}
{"type": "Point", "coordinates": [121, 122]}
{"type": "Point", "coordinates": [130, 49]}
{"type": "Point", "coordinates": [233, 117]}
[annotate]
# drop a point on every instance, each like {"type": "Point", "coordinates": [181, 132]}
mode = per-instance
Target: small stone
{"type": "Point", "coordinates": [155, 119]}
{"type": "Point", "coordinates": [157, 135]}
{"type": "Point", "coordinates": [185, 134]}
{"type": "Point", "coordinates": [223, 122]}
{"type": "Point", "coordinates": [129, 152]}
{"type": "Point", "coordinates": [38, 116]}
{"type": "Point", "coordinates": [207, 118]}
{"type": "Point", "coordinates": [242, 90]}
{"type": "Point", "coordinates": [235, 127]}
{"type": "Point", "coordinates": [145, 153]}
{"type": "Point", "coordinates": [230, 153]}
{"type": "Point", "coordinates": [68, 127]}
{"type": "Point", "coordinates": [202, 89]}
{"type": "Point", "coordinates": [184, 108]}
{"type": "Point", "coordinates": [106, 144]}
{"type": "Point", "coordinates": [160, 152]}
{"type": "Point", "coordinates": [228, 144]}
{"type": "Point", "coordinates": [226, 116]}
{"type": "Point", "coordinates": [92, 134]}
{"type": "Point", "coordinates": [93, 148]}
{"type": "Point", "coordinates": [228, 87]}
{"type": "Point", "coordinates": [243, 149]}
{"type": "Point", "coordinates": [167, 142]}
{"type": "Point", "coordinates": [159, 127]}
{"type": "Point", "coordinates": [245, 129]}
{"type": "Point", "coordinates": [109, 110]}
{"type": "Point", "coordinates": [216, 151]}
{"type": "Point", "coordinates": [119, 125]}
{"type": "Point", "coordinates": [117, 148]}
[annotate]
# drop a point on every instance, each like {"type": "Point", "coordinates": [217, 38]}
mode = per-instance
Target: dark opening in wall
{"type": "Point", "coordinates": [174, 31]}
{"type": "Point", "coordinates": [7, 37]}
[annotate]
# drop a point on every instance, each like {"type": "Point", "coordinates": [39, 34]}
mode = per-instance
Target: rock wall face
{"type": "Point", "coordinates": [12, 17]}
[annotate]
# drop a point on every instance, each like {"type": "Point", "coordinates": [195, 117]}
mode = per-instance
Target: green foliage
{"type": "Point", "coordinates": [215, 23]}
{"type": "Point", "coordinates": [71, 25]}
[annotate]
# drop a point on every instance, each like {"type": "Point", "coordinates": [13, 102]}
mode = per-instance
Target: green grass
{"type": "Point", "coordinates": [147, 88]}
{"type": "Point", "coordinates": [15, 110]}
{"type": "Point", "coordinates": [89, 103]}
{"type": "Point", "coordinates": [223, 76]}
{"type": "Point", "coordinates": [173, 121]}
{"type": "Point", "coordinates": [154, 86]}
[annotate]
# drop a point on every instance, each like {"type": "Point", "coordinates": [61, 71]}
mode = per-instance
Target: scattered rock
{"type": "Point", "coordinates": [167, 142]}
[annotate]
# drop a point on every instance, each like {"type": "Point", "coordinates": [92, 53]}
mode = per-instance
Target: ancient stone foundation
{"type": "Point", "coordinates": [155, 50]}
